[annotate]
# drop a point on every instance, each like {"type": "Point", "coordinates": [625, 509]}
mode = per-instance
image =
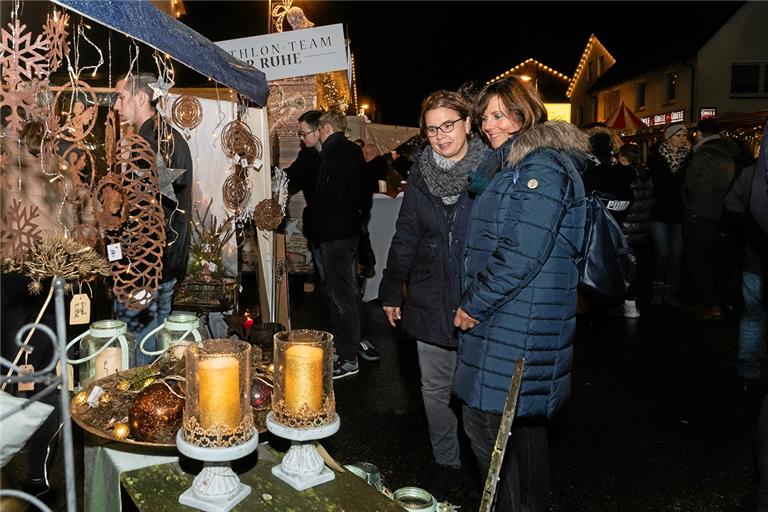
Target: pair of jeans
{"type": "Point", "coordinates": [751, 327]}
{"type": "Point", "coordinates": [700, 239]}
{"type": "Point", "coordinates": [437, 365]}
{"type": "Point", "coordinates": [523, 484]}
{"type": "Point", "coordinates": [667, 241]}
{"type": "Point", "coordinates": [339, 263]}
{"type": "Point", "coordinates": [141, 322]}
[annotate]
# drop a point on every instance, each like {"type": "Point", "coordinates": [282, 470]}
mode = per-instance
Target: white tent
{"type": "Point", "coordinates": [386, 136]}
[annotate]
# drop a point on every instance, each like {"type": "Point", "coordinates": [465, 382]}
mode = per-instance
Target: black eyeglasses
{"type": "Point", "coordinates": [304, 134]}
{"type": "Point", "coordinates": [446, 127]}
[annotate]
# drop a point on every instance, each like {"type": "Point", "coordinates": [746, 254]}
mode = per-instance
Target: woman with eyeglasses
{"type": "Point", "coordinates": [519, 285]}
{"type": "Point", "coordinates": [425, 256]}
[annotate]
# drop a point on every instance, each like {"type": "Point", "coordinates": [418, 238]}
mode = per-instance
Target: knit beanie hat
{"type": "Point", "coordinates": [673, 129]}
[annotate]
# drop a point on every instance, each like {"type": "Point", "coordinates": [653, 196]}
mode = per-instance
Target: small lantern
{"type": "Point", "coordinates": [218, 409]}
{"type": "Point", "coordinates": [303, 395]}
{"type": "Point", "coordinates": [176, 333]}
{"type": "Point", "coordinates": [106, 348]}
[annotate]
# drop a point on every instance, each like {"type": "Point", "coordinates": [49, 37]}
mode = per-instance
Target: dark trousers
{"type": "Point", "coordinates": [339, 261]}
{"type": "Point", "coordinates": [700, 240]}
{"type": "Point", "coordinates": [524, 479]}
{"type": "Point", "coordinates": [761, 449]}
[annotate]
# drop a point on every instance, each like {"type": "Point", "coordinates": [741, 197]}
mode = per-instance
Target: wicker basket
{"type": "Point", "coordinates": [219, 294]}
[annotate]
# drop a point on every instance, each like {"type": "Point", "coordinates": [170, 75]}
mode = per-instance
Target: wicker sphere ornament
{"type": "Point", "coordinates": [237, 141]}
{"type": "Point", "coordinates": [156, 414]}
{"type": "Point", "coordinates": [267, 215]}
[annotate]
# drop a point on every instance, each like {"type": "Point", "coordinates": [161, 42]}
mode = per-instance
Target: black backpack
{"type": "Point", "coordinates": [606, 263]}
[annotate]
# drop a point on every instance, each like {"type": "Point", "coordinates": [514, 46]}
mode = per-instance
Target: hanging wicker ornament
{"type": "Point", "coordinates": [110, 204]}
{"type": "Point", "coordinates": [142, 239]}
{"type": "Point", "coordinates": [80, 119]}
{"type": "Point", "coordinates": [237, 141]}
{"type": "Point", "coordinates": [267, 215]}
{"type": "Point", "coordinates": [110, 139]}
{"type": "Point", "coordinates": [187, 114]}
{"type": "Point", "coordinates": [236, 189]}
{"type": "Point", "coordinates": [81, 170]}
{"type": "Point", "coordinates": [18, 231]}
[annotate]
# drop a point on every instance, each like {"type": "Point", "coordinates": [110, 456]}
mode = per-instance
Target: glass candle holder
{"type": "Point", "coordinates": [175, 335]}
{"type": "Point", "coordinates": [303, 379]}
{"type": "Point", "coordinates": [106, 348]}
{"type": "Point", "coordinates": [218, 409]}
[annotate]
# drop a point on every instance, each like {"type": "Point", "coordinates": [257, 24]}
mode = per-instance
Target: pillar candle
{"type": "Point", "coordinates": [303, 378]}
{"type": "Point", "coordinates": [108, 362]}
{"type": "Point", "coordinates": [219, 392]}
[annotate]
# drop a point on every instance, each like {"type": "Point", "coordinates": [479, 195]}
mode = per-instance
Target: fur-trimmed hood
{"type": "Point", "coordinates": [558, 135]}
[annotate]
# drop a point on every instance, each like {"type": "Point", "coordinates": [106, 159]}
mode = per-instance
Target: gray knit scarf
{"type": "Point", "coordinates": [445, 178]}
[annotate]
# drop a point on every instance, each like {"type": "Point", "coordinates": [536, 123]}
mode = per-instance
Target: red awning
{"type": "Point", "coordinates": [625, 120]}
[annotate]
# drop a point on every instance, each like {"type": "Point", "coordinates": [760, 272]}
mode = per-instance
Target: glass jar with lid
{"type": "Point", "coordinates": [177, 332]}
{"type": "Point", "coordinates": [106, 348]}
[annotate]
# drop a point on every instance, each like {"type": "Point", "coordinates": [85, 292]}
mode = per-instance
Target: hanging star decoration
{"type": "Point", "coordinates": [160, 88]}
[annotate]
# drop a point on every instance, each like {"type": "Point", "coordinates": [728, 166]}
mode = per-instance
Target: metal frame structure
{"type": "Point", "coordinates": [47, 376]}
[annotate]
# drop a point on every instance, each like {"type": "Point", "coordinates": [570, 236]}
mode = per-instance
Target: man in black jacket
{"type": "Point", "coordinates": [137, 96]}
{"type": "Point", "coordinates": [333, 225]}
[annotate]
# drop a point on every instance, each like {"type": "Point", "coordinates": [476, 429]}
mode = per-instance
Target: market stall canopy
{"type": "Point", "coordinates": [386, 137]}
{"type": "Point", "coordinates": [141, 20]}
{"type": "Point", "coordinates": [625, 120]}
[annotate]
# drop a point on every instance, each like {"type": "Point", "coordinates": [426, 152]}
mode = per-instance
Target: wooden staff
{"type": "Point", "coordinates": [497, 456]}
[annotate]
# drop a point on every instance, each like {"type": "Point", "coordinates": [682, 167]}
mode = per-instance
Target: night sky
{"type": "Point", "coordinates": [405, 50]}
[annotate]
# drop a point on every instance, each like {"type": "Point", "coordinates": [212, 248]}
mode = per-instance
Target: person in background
{"type": "Point", "coordinates": [135, 106]}
{"type": "Point", "coordinates": [333, 225]}
{"type": "Point", "coordinates": [425, 257]}
{"type": "Point", "coordinates": [376, 166]}
{"type": "Point", "coordinates": [519, 286]}
{"type": "Point", "coordinates": [360, 142]}
{"type": "Point", "coordinates": [744, 193]}
{"type": "Point", "coordinates": [705, 184]}
{"type": "Point", "coordinates": [667, 161]}
{"type": "Point", "coordinates": [402, 163]}
{"type": "Point", "coordinates": [636, 224]}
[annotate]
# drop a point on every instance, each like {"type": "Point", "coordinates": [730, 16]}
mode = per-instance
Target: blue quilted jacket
{"type": "Point", "coordinates": [518, 280]}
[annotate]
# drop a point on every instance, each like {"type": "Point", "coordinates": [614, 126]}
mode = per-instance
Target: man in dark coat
{"type": "Point", "coordinates": [706, 182]}
{"type": "Point", "coordinates": [333, 224]}
{"type": "Point", "coordinates": [136, 105]}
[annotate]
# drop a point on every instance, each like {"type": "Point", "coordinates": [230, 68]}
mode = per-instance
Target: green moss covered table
{"type": "Point", "coordinates": [157, 489]}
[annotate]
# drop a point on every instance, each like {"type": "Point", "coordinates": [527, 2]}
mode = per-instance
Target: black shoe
{"type": "Point", "coordinates": [751, 386]}
{"type": "Point", "coordinates": [342, 368]}
{"type": "Point", "coordinates": [368, 351]}
{"type": "Point", "coordinates": [444, 480]}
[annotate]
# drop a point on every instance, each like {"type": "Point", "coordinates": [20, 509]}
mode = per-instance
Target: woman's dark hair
{"type": "Point", "coordinates": [442, 99]}
{"type": "Point", "coordinates": [632, 153]}
{"type": "Point", "coordinates": [519, 98]}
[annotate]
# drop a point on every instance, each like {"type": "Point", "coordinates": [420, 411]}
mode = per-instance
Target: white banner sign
{"type": "Point", "coordinates": [294, 53]}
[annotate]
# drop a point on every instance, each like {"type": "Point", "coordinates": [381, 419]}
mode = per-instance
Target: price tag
{"type": "Point", "coordinates": [26, 369]}
{"type": "Point", "coordinates": [79, 309]}
{"type": "Point", "coordinates": [114, 252]}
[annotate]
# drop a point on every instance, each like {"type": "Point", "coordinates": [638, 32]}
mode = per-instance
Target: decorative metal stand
{"type": "Point", "coordinates": [47, 376]}
{"type": "Point", "coordinates": [302, 466]}
{"type": "Point", "coordinates": [217, 488]}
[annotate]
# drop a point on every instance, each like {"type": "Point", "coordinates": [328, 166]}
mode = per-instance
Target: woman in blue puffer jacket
{"type": "Point", "coordinates": [519, 285]}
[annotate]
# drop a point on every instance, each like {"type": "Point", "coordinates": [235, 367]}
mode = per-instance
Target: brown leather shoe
{"type": "Point", "coordinates": [713, 313]}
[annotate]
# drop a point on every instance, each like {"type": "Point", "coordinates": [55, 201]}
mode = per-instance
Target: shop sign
{"type": "Point", "coordinates": [706, 112]}
{"type": "Point", "coordinates": [678, 116]}
{"type": "Point", "coordinates": [293, 53]}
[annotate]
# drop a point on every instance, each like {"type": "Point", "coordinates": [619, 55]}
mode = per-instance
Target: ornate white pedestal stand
{"type": "Point", "coordinates": [302, 465]}
{"type": "Point", "coordinates": [217, 488]}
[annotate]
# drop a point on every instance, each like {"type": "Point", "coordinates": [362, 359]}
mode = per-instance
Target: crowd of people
{"type": "Point", "coordinates": [477, 274]}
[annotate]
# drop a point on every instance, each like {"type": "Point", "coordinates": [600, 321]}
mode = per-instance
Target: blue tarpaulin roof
{"type": "Point", "coordinates": [140, 20]}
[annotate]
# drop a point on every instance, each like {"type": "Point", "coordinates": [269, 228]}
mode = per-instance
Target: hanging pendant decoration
{"type": "Point", "coordinates": [187, 114]}
{"type": "Point", "coordinates": [239, 143]}
{"type": "Point", "coordinates": [142, 239]}
{"type": "Point", "coordinates": [110, 204]}
{"type": "Point", "coordinates": [237, 189]}
{"type": "Point", "coordinates": [80, 170]}
{"type": "Point", "coordinates": [80, 120]}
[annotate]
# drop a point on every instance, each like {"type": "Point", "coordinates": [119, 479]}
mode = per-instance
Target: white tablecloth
{"type": "Point", "coordinates": [104, 462]}
{"type": "Point", "coordinates": [381, 228]}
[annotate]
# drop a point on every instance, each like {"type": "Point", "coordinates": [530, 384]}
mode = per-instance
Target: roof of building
{"type": "Point", "coordinates": [637, 61]}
